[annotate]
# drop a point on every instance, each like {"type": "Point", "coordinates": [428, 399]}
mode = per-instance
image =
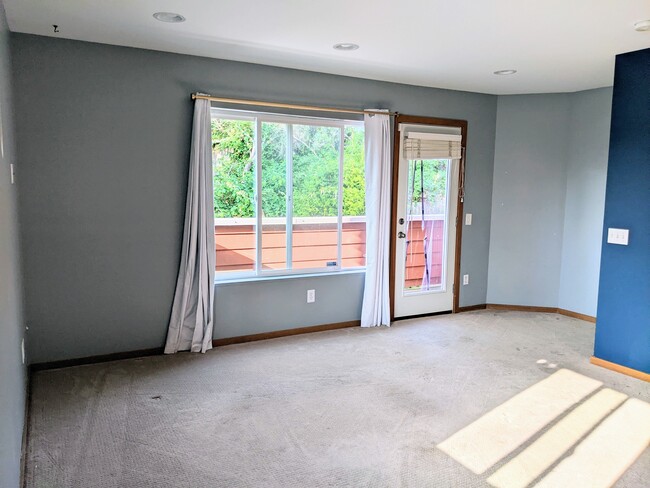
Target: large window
{"type": "Point", "coordinates": [289, 194]}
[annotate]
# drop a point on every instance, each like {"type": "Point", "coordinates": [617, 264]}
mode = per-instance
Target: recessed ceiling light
{"type": "Point", "coordinates": [502, 72]}
{"type": "Point", "coordinates": [346, 46]}
{"type": "Point", "coordinates": [170, 17]}
{"type": "Point", "coordinates": [642, 26]}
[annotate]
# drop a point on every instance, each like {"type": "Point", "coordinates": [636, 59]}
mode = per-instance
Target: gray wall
{"type": "Point", "coordinates": [12, 372]}
{"type": "Point", "coordinates": [264, 306]}
{"type": "Point", "coordinates": [103, 133]}
{"type": "Point", "coordinates": [549, 191]}
{"type": "Point", "coordinates": [585, 199]}
{"type": "Point", "coordinates": [528, 204]}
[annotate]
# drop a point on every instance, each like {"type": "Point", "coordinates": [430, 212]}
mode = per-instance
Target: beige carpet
{"type": "Point", "coordinates": [354, 407]}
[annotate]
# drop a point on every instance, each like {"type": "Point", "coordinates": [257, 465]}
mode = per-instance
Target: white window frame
{"type": "Point", "coordinates": [258, 118]}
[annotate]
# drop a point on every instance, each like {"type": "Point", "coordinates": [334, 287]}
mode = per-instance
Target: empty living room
{"type": "Point", "coordinates": [299, 244]}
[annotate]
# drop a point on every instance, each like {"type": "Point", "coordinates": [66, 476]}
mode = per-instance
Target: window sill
{"type": "Point", "coordinates": [287, 276]}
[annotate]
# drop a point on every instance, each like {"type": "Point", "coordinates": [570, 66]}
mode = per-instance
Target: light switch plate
{"type": "Point", "coordinates": [468, 219]}
{"type": "Point", "coordinates": [618, 236]}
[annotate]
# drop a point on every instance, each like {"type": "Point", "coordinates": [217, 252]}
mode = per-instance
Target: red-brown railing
{"type": "Point", "coordinates": [415, 254]}
{"type": "Point", "coordinates": [315, 244]}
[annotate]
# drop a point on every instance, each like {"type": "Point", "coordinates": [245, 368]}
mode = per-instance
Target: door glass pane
{"type": "Point", "coordinates": [274, 195]}
{"type": "Point", "coordinates": [315, 196]}
{"type": "Point", "coordinates": [233, 169]}
{"type": "Point", "coordinates": [426, 221]}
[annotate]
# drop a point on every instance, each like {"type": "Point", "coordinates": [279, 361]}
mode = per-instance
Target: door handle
{"type": "Point", "coordinates": [401, 235]}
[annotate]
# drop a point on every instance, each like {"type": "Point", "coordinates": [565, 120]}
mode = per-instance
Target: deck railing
{"type": "Point", "coordinates": [315, 245]}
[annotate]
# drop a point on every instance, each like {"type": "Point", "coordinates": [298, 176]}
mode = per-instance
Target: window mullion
{"type": "Point", "coordinates": [340, 199]}
{"type": "Point", "coordinates": [258, 195]}
{"type": "Point", "coordinates": [289, 191]}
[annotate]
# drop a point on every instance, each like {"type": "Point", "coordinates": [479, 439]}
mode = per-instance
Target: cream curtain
{"type": "Point", "coordinates": [376, 304]}
{"type": "Point", "coordinates": [190, 326]}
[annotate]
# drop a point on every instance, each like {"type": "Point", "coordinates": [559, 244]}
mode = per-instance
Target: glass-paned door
{"type": "Point", "coordinates": [426, 227]}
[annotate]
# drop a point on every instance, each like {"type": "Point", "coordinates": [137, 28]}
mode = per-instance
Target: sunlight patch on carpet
{"type": "Point", "coordinates": [499, 432]}
{"type": "Point", "coordinates": [607, 452]}
{"type": "Point", "coordinates": [541, 454]}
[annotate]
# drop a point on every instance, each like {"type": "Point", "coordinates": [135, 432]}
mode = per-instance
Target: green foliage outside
{"type": "Point", "coordinates": [315, 169]}
{"type": "Point", "coordinates": [232, 163]}
{"type": "Point", "coordinates": [432, 175]}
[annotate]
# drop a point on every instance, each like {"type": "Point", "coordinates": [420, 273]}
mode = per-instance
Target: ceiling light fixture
{"type": "Point", "coordinates": [502, 72]}
{"type": "Point", "coordinates": [169, 17]}
{"type": "Point", "coordinates": [642, 26]}
{"type": "Point", "coordinates": [346, 46]}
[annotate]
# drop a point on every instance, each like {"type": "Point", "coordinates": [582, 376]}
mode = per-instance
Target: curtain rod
{"type": "Point", "coordinates": [259, 103]}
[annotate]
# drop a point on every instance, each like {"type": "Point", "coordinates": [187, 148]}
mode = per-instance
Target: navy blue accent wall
{"type": "Point", "coordinates": [623, 326]}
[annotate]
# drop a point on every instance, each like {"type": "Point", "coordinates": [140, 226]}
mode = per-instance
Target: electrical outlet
{"type": "Point", "coordinates": [468, 219]}
{"type": "Point", "coordinates": [311, 296]}
{"type": "Point", "coordinates": [466, 279]}
{"type": "Point", "coordinates": [12, 173]}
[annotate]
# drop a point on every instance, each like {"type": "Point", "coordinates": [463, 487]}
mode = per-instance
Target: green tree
{"type": "Point", "coordinates": [315, 168]}
{"type": "Point", "coordinates": [430, 176]}
{"type": "Point", "coordinates": [233, 168]}
{"type": "Point", "coordinates": [354, 172]}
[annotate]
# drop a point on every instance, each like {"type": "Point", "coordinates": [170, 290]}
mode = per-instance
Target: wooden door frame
{"type": "Point", "coordinates": [415, 119]}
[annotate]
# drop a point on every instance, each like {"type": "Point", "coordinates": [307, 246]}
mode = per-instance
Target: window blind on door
{"type": "Point", "coordinates": [425, 145]}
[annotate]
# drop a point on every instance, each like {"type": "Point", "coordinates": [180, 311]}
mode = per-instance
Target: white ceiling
{"type": "Point", "coordinates": [556, 45]}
